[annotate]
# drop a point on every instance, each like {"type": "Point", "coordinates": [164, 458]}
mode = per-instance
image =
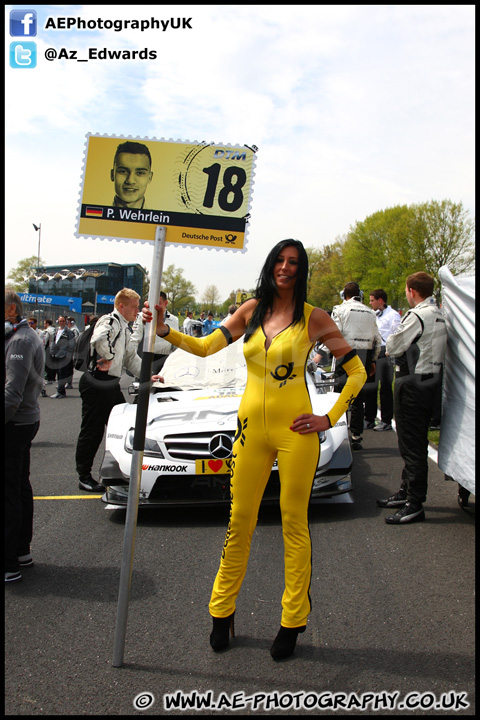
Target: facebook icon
{"type": "Point", "coordinates": [23, 23]}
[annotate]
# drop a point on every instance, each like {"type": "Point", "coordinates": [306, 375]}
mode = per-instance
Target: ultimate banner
{"type": "Point", "coordinates": [201, 192]}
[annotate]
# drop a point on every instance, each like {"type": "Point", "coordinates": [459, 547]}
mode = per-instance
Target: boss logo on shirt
{"type": "Point", "coordinates": [16, 357]}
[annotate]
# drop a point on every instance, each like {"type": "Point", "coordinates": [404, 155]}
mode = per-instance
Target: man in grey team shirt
{"type": "Point", "coordinates": [24, 367]}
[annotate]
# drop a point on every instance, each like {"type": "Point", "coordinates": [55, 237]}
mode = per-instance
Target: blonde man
{"type": "Point", "coordinates": [162, 349]}
{"type": "Point", "coordinates": [100, 386]}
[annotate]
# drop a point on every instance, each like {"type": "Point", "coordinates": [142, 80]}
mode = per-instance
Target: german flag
{"type": "Point", "coordinates": [93, 212]}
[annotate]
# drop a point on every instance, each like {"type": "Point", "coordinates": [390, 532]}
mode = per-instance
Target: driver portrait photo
{"type": "Point", "coordinates": [131, 174]}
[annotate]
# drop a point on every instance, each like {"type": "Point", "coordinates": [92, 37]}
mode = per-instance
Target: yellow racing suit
{"type": "Point", "coordinates": [276, 393]}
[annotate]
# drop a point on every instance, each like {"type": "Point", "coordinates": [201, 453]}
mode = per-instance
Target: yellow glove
{"type": "Point", "coordinates": [357, 376]}
{"type": "Point", "coordinates": [203, 346]}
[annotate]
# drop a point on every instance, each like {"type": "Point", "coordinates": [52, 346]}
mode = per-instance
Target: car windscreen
{"type": "Point", "coordinates": [226, 368]}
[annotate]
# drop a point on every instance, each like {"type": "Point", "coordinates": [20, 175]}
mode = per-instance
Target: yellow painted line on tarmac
{"type": "Point", "coordinates": [67, 497]}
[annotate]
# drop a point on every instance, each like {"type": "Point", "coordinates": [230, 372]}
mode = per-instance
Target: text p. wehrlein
{"type": "Point", "coordinates": [141, 216]}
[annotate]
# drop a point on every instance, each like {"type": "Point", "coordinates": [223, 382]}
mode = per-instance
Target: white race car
{"type": "Point", "coordinates": [191, 426]}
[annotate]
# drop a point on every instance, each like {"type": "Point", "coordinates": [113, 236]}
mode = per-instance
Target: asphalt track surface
{"type": "Point", "coordinates": [393, 607]}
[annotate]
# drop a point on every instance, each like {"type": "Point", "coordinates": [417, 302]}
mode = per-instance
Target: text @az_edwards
{"type": "Point", "coordinates": [52, 54]}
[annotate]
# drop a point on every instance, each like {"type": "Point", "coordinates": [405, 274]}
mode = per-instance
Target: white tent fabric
{"type": "Point", "coordinates": [456, 449]}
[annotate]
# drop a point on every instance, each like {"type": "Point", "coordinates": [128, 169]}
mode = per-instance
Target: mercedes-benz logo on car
{"type": "Point", "coordinates": [221, 446]}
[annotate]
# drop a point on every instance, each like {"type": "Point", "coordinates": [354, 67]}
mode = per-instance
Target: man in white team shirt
{"type": "Point", "coordinates": [162, 349]}
{"type": "Point", "coordinates": [357, 324]}
{"type": "Point", "coordinates": [187, 323]}
{"type": "Point", "coordinates": [388, 320]}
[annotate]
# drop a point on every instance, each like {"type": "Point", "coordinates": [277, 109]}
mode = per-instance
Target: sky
{"type": "Point", "coordinates": [353, 109]}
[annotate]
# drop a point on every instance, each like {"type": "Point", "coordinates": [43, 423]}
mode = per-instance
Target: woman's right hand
{"type": "Point", "coordinates": [147, 315]}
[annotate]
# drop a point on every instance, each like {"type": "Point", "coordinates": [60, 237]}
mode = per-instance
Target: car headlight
{"type": "Point", "coordinates": [152, 447]}
{"type": "Point", "coordinates": [322, 436]}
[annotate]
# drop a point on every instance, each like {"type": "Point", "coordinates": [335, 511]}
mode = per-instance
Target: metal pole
{"type": "Point", "coordinates": [38, 264]}
{"type": "Point", "coordinates": [138, 448]}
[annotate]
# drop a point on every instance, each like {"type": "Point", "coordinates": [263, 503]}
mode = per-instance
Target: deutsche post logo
{"type": "Point", "coordinates": [282, 373]}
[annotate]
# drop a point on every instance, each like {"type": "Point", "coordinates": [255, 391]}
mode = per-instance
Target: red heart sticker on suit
{"type": "Point", "coordinates": [215, 465]}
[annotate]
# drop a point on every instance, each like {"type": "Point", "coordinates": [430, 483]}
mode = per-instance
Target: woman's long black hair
{"type": "Point", "coordinates": [266, 289]}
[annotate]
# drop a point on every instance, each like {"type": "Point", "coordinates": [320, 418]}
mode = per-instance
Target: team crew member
{"type": "Point", "coordinates": [61, 352]}
{"type": "Point", "coordinates": [418, 347]}
{"type": "Point", "coordinates": [187, 323]}
{"type": "Point", "coordinates": [48, 340]}
{"type": "Point", "coordinates": [162, 349]}
{"type": "Point", "coordinates": [100, 389]}
{"type": "Point", "coordinates": [24, 366]}
{"type": "Point", "coordinates": [358, 325]}
{"type": "Point", "coordinates": [388, 320]}
{"type": "Point", "coordinates": [231, 310]}
{"type": "Point", "coordinates": [275, 420]}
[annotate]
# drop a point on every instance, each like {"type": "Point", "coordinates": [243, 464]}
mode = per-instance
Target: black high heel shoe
{"type": "Point", "coordinates": [219, 637]}
{"type": "Point", "coordinates": [284, 644]}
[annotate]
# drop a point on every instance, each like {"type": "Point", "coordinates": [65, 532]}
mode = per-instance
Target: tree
{"type": "Point", "coordinates": [18, 278]}
{"type": "Point", "coordinates": [446, 237]}
{"type": "Point", "coordinates": [382, 250]}
{"type": "Point", "coordinates": [326, 274]}
{"type": "Point", "coordinates": [180, 292]}
{"type": "Point", "coordinates": [223, 308]}
{"type": "Point", "coordinates": [211, 298]}
{"type": "Point", "coordinates": [386, 247]}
